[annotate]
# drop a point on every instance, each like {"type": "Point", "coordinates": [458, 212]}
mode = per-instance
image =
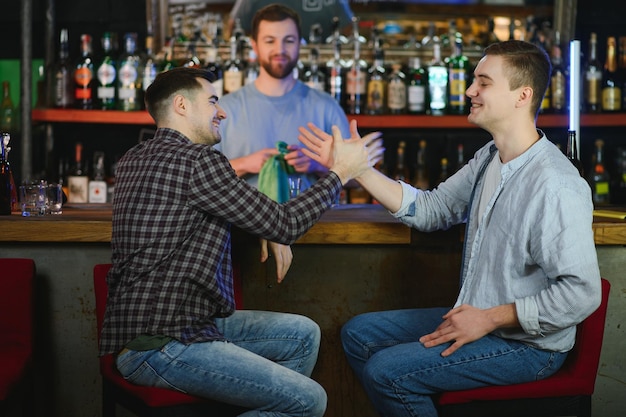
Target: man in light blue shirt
{"type": "Point", "coordinates": [529, 271]}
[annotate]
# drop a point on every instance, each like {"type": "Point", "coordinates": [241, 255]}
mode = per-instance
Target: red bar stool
{"type": "Point", "coordinates": [566, 393]}
{"type": "Point", "coordinates": [16, 335]}
{"type": "Point", "coordinates": [144, 401]}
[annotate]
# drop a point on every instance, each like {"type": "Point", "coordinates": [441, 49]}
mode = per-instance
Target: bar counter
{"type": "Point", "coordinates": [356, 259]}
{"type": "Point", "coordinates": [346, 224]}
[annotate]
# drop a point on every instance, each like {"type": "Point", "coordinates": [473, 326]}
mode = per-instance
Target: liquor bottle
{"type": "Point", "coordinates": [599, 179]}
{"type": "Point", "coordinates": [214, 64]}
{"type": "Point", "coordinates": [558, 81]}
{"type": "Point", "coordinates": [128, 76]}
{"type": "Point", "coordinates": [437, 82]}
{"type": "Point", "coordinates": [396, 90]}
{"type": "Point", "coordinates": [7, 109]}
{"type": "Point", "coordinates": [621, 70]}
{"type": "Point", "coordinates": [77, 179]}
{"type": "Point", "coordinates": [98, 185]}
{"type": "Point", "coordinates": [443, 171]}
{"type": "Point", "coordinates": [460, 156]}
{"type": "Point", "coordinates": [401, 173]}
{"type": "Point", "coordinates": [420, 179]}
{"type": "Point", "coordinates": [107, 75]}
{"type": "Point", "coordinates": [592, 87]}
{"type": "Point", "coordinates": [233, 72]}
{"type": "Point", "coordinates": [314, 77]}
{"type": "Point", "coordinates": [457, 78]}
{"type": "Point", "coordinates": [416, 91]}
{"type": "Point", "coordinates": [376, 79]}
{"type": "Point", "coordinates": [572, 151]}
{"type": "Point", "coordinates": [63, 94]}
{"type": "Point", "coordinates": [7, 187]}
{"type": "Point", "coordinates": [336, 67]}
{"type": "Point", "coordinates": [251, 72]}
{"type": "Point", "coordinates": [192, 60]}
{"type": "Point", "coordinates": [356, 77]}
{"type": "Point", "coordinates": [149, 66]}
{"type": "Point", "coordinates": [168, 56]}
{"type": "Point", "coordinates": [611, 89]}
{"type": "Point", "coordinates": [84, 77]}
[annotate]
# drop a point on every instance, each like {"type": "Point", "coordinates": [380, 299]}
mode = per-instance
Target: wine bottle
{"type": "Point", "coordinates": [416, 91]}
{"type": "Point", "coordinates": [457, 78]}
{"type": "Point", "coordinates": [63, 94]}
{"type": "Point", "coordinates": [558, 81]}
{"type": "Point", "coordinates": [84, 80]}
{"type": "Point", "coordinates": [233, 73]}
{"type": "Point", "coordinates": [77, 179]}
{"type": "Point", "coordinates": [6, 178]}
{"type": "Point", "coordinates": [148, 64]}
{"type": "Point", "coordinates": [611, 89]}
{"type": "Point", "coordinates": [592, 87]}
{"type": "Point", "coordinates": [98, 185]}
{"type": "Point", "coordinates": [437, 82]}
{"type": "Point", "coordinates": [572, 151]}
{"type": "Point", "coordinates": [420, 179]}
{"type": "Point", "coordinates": [396, 90]}
{"type": "Point", "coordinates": [129, 79]}
{"type": "Point", "coordinates": [214, 63]}
{"type": "Point", "coordinates": [356, 76]}
{"type": "Point", "coordinates": [7, 109]}
{"type": "Point", "coordinates": [377, 80]}
{"type": "Point", "coordinates": [107, 75]}
{"type": "Point", "coordinates": [401, 172]}
{"type": "Point", "coordinates": [599, 179]}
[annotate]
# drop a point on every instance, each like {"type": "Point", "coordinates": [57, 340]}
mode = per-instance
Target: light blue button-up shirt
{"type": "Point", "coordinates": [534, 246]}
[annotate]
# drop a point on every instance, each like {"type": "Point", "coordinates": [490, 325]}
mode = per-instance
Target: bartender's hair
{"type": "Point", "coordinates": [526, 64]}
{"type": "Point", "coordinates": [183, 80]}
{"type": "Point", "coordinates": [275, 13]}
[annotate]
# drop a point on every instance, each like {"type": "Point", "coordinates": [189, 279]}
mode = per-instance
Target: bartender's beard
{"type": "Point", "coordinates": [279, 70]}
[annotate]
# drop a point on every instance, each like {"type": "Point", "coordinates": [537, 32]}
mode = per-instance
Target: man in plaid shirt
{"type": "Point", "coordinates": [170, 313]}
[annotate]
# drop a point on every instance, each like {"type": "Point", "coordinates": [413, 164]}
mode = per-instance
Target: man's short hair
{"type": "Point", "coordinates": [168, 83]}
{"type": "Point", "coordinates": [274, 13]}
{"type": "Point", "coordinates": [526, 64]}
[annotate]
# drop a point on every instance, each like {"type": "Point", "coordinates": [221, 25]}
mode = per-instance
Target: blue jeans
{"type": "Point", "coordinates": [399, 374]}
{"type": "Point", "coordinates": [265, 366]}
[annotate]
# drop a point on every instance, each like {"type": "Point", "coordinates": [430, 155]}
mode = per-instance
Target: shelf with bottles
{"type": "Point", "coordinates": [401, 121]}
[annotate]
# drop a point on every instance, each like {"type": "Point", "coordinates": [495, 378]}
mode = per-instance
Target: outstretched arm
{"type": "Point", "coordinates": [319, 146]}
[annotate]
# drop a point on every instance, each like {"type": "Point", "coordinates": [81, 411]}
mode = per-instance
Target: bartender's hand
{"type": "Point", "coordinates": [282, 254]}
{"type": "Point", "coordinates": [319, 144]}
{"type": "Point", "coordinates": [302, 163]}
{"type": "Point", "coordinates": [252, 164]}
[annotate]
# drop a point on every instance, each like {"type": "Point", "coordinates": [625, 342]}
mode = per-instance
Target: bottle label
{"type": "Point", "coordinates": [233, 80]}
{"type": "Point", "coordinates": [83, 76]}
{"type": "Point", "coordinates": [128, 74]}
{"type": "Point", "coordinates": [375, 95]}
{"type": "Point", "coordinates": [106, 74]}
{"type": "Point", "coordinates": [557, 84]}
{"type": "Point", "coordinates": [355, 82]}
{"type": "Point", "coordinates": [97, 191]}
{"type": "Point", "coordinates": [78, 189]}
{"type": "Point", "coordinates": [611, 99]}
{"type": "Point", "coordinates": [438, 85]}
{"type": "Point", "coordinates": [593, 87]}
{"type": "Point", "coordinates": [106, 92]}
{"type": "Point", "coordinates": [417, 98]}
{"type": "Point", "coordinates": [457, 87]}
{"type": "Point", "coordinates": [396, 99]}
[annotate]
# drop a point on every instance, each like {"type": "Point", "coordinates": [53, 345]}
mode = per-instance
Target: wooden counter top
{"type": "Point", "coordinates": [349, 224]}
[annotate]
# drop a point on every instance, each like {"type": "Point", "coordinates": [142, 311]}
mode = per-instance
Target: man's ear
{"type": "Point", "coordinates": [179, 103]}
{"type": "Point", "coordinates": [525, 97]}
